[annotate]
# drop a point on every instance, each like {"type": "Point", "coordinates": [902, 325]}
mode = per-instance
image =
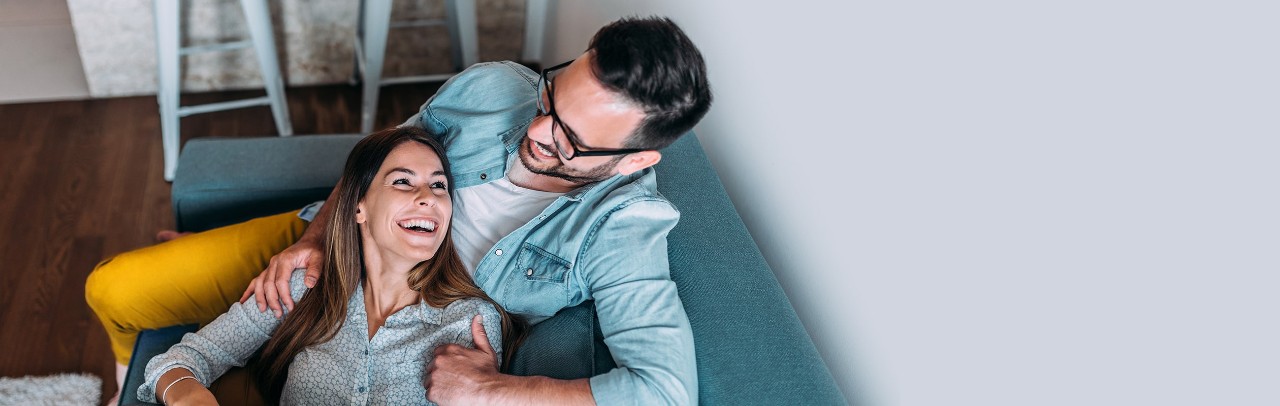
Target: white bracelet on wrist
{"type": "Point", "coordinates": [163, 401]}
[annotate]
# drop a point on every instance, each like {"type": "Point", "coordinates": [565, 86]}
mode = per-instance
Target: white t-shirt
{"type": "Point", "coordinates": [483, 214]}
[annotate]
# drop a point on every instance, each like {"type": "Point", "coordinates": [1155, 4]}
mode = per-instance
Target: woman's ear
{"type": "Point", "coordinates": [361, 217]}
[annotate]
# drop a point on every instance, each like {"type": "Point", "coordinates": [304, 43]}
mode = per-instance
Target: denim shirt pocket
{"type": "Point", "coordinates": [540, 265]}
{"type": "Point", "coordinates": [542, 286]}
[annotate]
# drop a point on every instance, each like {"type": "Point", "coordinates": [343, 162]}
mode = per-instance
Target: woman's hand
{"type": "Point", "coordinates": [179, 387]}
{"type": "Point", "coordinates": [271, 287]}
{"type": "Point", "coordinates": [190, 393]}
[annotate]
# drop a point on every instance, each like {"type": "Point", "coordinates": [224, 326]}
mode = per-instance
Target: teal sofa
{"type": "Point", "coordinates": [751, 347]}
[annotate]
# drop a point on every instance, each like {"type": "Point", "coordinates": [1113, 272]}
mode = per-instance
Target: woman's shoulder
{"type": "Point", "coordinates": [460, 314]}
{"type": "Point", "coordinates": [297, 287]}
{"type": "Point", "coordinates": [468, 308]}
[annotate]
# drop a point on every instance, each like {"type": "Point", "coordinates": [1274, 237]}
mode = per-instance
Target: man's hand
{"type": "Point", "coordinates": [271, 287]}
{"type": "Point", "coordinates": [461, 375]}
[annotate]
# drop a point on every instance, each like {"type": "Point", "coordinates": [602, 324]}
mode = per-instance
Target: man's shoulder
{"type": "Point", "coordinates": [486, 98]}
{"type": "Point", "coordinates": [496, 76]}
{"type": "Point", "coordinates": [641, 185]}
{"type": "Point", "coordinates": [637, 193]}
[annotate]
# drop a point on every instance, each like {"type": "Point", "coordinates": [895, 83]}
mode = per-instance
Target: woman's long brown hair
{"type": "Point", "coordinates": [318, 316]}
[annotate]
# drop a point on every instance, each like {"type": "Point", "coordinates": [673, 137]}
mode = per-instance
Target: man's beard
{"type": "Point", "coordinates": [558, 170]}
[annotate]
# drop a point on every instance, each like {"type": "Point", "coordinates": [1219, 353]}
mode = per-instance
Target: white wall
{"type": "Point", "coordinates": [1002, 203]}
{"type": "Point", "coordinates": [38, 56]}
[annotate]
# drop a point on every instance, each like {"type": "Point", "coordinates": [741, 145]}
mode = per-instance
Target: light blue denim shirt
{"type": "Point", "coordinates": [605, 241]}
{"type": "Point", "coordinates": [350, 368]}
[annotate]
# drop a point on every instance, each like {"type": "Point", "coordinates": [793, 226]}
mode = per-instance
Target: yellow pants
{"type": "Point", "coordinates": [192, 279]}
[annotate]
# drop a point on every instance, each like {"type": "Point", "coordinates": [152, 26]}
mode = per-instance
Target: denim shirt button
{"type": "Point", "coordinates": [498, 252]}
{"type": "Point", "coordinates": [484, 176]}
{"type": "Point", "coordinates": [529, 272]}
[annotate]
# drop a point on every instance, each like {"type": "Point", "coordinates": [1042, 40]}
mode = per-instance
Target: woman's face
{"type": "Point", "coordinates": [407, 209]}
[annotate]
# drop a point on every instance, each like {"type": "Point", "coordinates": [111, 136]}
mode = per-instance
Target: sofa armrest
{"type": "Point", "coordinates": [150, 343]}
{"type": "Point", "coordinates": [750, 344]}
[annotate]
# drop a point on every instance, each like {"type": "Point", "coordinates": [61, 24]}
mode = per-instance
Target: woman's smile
{"type": "Point", "coordinates": [419, 225]}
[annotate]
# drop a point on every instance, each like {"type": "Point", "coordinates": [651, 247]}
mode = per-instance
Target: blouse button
{"type": "Point", "coordinates": [498, 252]}
{"type": "Point", "coordinates": [529, 272]}
{"type": "Point", "coordinates": [484, 176]}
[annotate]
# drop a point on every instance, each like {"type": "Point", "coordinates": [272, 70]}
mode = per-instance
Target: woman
{"type": "Point", "coordinates": [393, 289]}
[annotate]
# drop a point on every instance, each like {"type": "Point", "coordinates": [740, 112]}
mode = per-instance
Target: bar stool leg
{"type": "Point", "coordinates": [264, 45]}
{"type": "Point", "coordinates": [461, 19]}
{"type": "Point", "coordinates": [377, 20]}
{"type": "Point", "coordinates": [167, 45]}
{"type": "Point", "coordinates": [356, 73]}
{"type": "Point", "coordinates": [535, 17]}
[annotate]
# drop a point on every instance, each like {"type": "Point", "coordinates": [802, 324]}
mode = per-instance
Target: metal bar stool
{"type": "Point", "coordinates": [371, 48]}
{"type": "Point", "coordinates": [168, 52]}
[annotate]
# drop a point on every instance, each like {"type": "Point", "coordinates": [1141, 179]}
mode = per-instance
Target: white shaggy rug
{"type": "Point", "coordinates": [60, 389]}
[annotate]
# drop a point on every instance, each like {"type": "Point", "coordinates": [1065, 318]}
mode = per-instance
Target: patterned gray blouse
{"type": "Point", "coordinates": [350, 368]}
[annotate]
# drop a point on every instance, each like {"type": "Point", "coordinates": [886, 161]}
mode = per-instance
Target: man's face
{"type": "Point", "coordinates": [599, 119]}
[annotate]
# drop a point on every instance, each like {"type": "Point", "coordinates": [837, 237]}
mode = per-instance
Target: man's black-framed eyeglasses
{"type": "Point", "coordinates": [549, 109]}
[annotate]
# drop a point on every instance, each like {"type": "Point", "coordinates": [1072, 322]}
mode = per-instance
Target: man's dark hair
{"type": "Point", "coordinates": [653, 64]}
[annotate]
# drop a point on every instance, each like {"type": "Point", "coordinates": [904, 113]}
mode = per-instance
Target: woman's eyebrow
{"type": "Point", "coordinates": [405, 170]}
{"type": "Point", "coordinates": [411, 172]}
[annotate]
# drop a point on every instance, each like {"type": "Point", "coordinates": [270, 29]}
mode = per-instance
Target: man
{"type": "Point", "coordinates": [555, 204]}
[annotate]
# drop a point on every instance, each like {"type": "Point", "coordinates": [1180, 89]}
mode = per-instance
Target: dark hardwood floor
{"type": "Point", "coordinates": [82, 180]}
